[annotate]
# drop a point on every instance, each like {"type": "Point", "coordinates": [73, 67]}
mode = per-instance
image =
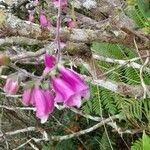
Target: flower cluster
{"type": "Point", "coordinates": [67, 87]}
{"type": "Point", "coordinates": [44, 21]}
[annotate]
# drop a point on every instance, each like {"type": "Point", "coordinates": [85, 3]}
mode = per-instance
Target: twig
{"type": "Point", "coordinates": [146, 91]}
{"type": "Point", "coordinates": [65, 137]}
{"type": "Point", "coordinates": [33, 146]}
{"type": "Point", "coordinates": [17, 108]}
{"type": "Point", "coordinates": [85, 115]}
{"type": "Point", "coordinates": [77, 35]}
{"type": "Point", "coordinates": [20, 40]}
{"type": "Point", "coordinates": [82, 132]}
{"type": "Point", "coordinates": [68, 130]}
{"type": "Point", "coordinates": [3, 77]}
{"type": "Point", "coordinates": [22, 145]}
{"type": "Point", "coordinates": [19, 131]}
{"type": "Point", "coordinates": [58, 52]}
{"type": "Point", "coordinates": [128, 63]}
{"type": "Point", "coordinates": [29, 55]}
{"type": "Point", "coordinates": [137, 50]}
{"type": "Point", "coordinates": [23, 71]}
{"type": "Point", "coordinates": [117, 87]}
{"type": "Point", "coordinates": [95, 118]}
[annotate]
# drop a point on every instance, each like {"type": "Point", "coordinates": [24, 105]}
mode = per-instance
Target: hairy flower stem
{"type": "Point", "coordinates": [58, 52]}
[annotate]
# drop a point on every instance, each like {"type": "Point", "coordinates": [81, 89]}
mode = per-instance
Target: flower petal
{"type": "Point", "coordinates": [43, 103]}
{"type": "Point", "coordinates": [75, 82]}
{"type": "Point", "coordinates": [44, 118]}
{"type": "Point", "coordinates": [49, 100]}
{"type": "Point", "coordinates": [49, 60]}
{"type": "Point", "coordinates": [63, 3]}
{"type": "Point", "coordinates": [11, 86]}
{"type": "Point", "coordinates": [62, 89]}
{"type": "Point", "coordinates": [7, 85]}
{"type": "Point", "coordinates": [44, 21]}
{"type": "Point", "coordinates": [46, 70]}
{"type": "Point", "coordinates": [26, 97]}
{"type": "Point", "coordinates": [70, 76]}
{"type": "Point", "coordinates": [86, 94]}
{"type": "Point", "coordinates": [14, 87]}
{"type": "Point", "coordinates": [73, 101]}
{"type": "Point", "coordinates": [71, 23]}
{"type": "Point", "coordinates": [58, 98]}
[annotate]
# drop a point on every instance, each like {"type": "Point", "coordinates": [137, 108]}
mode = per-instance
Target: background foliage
{"type": "Point", "coordinates": [132, 128]}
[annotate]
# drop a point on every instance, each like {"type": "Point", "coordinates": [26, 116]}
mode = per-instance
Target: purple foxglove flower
{"type": "Point", "coordinates": [75, 100]}
{"type": "Point", "coordinates": [44, 104]}
{"type": "Point", "coordinates": [11, 86]}
{"type": "Point", "coordinates": [44, 21]}
{"type": "Point", "coordinates": [63, 3]}
{"type": "Point", "coordinates": [50, 100]}
{"type": "Point", "coordinates": [76, 83]}
{"type": "Point", "coordinates": [27, 97]}
{"type": "Point", "coordinates": [36, 2]}
{"type": "Point", "coordinates": [71, 24]}
{"type": "Point", "coordinates": [65, 94]}
{"type": "Point", "coordinates": [49, 62]}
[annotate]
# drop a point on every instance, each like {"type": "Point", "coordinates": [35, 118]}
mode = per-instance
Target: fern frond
{"type": "Point", "coordinates": [140, 14]}
{"type": "Point", "coordinates": [137, 145]}
{"type": "Point", "coordinates": [104, 142]}
{"type": "Point", "coordinates": [132, 76]}
{"type": "Point", "coordinates": [94, 104]}
{"type": "Point", "coordinates": [108, 101]}
{"type": "Point", "coordinates": [142, 143]}
{"type": "Point", "coordinates": [130, 108]}
{"type": "Point", "coordinates": [87, 108]}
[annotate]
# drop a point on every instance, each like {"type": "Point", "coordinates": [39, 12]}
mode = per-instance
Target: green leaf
{"type": "Point", "coordinates": [146, 141]}
{"type": "Point", "coordinates": [137, 145]}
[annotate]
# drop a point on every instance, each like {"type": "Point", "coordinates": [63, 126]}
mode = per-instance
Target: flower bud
{"type": "Point", "coordinates": [11, 86]}
{"type": "Point", "coordinates": [49, 61]}
{"type": "Point", "coordinates": [71, 23]}
{"type": "Point", "coordinates": [44, 22]}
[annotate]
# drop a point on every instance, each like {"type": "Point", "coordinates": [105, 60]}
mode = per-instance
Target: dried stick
{"type": "Point", "coordinates": [145, 90]}
{"type": "Point", "coordinates": [128, 63]}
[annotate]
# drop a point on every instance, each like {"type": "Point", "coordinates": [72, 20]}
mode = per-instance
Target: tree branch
{"type": "Point", "coordinates": [19, 27]}
{"type": "Point", "coordinates": [65, 137]}
{"type": "Point", "coordinates": [128, 63]}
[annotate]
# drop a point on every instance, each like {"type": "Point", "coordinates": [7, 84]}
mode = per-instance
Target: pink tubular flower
{"type": "Point", "coordinates": [71, 24]}
{"type": "Point", "coordinates": [27, 97]}
{"type": "Point", "coordinates": [49, 62]}
{"type": "Point", "coordinates": [44, 21]}
{"type": "Point", "coordinates": [75, 82]}
{"type": "Point", "coordinates": [36, 2]}
{"type": "Point", "coordinates": [42, 100]}
{"type": "Point", "coordinates": [63, 3]}
{"type": "Point", "coordinates": [65, 94]}
{"type": "Point", "coordinates": [44, 104]}
{"type": "Point", "coordinates": [11, 86]}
